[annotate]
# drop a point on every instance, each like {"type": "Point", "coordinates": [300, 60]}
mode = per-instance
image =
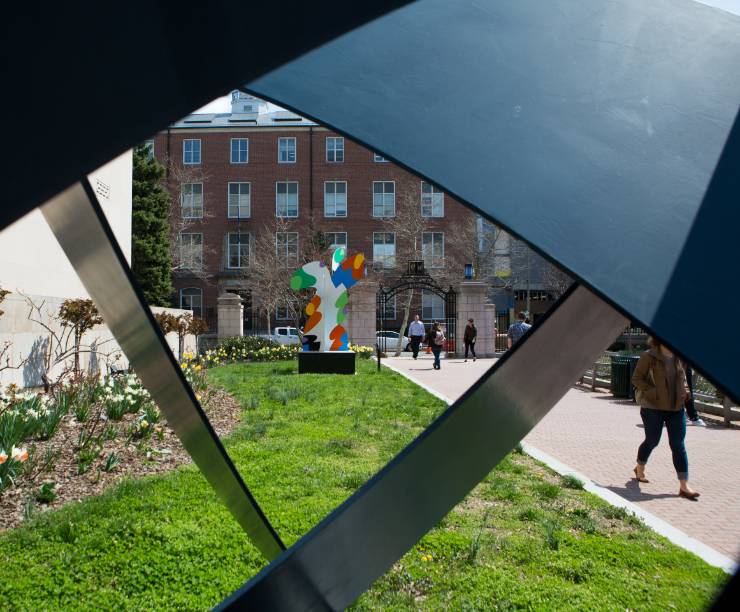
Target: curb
{"type": "Point", "coordinates": [676, 536]}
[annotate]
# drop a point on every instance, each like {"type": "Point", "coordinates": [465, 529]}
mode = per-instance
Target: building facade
{"type": "Point", "coordinates": [238, 175]}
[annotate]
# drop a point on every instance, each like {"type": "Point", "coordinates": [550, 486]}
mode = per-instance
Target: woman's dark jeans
{"type": "Point", "coordinates": [675, 423]}
{"type": "Point", "coordinates": [436, 349]}
{"type": "Point", "coordinates": [470, 345]}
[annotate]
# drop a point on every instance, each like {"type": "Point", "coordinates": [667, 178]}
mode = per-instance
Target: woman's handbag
{"type": "Point", "coordinates": [640, 398]}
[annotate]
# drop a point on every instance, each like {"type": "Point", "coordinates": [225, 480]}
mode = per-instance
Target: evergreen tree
{"type": "Point", "coordinates": [150, 232]}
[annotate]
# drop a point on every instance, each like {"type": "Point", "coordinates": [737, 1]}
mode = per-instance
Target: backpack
{"type": "Point", "coordinates": [439, 338]}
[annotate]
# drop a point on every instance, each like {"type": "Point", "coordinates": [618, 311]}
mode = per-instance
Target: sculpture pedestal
{"type": "Point", "coordinates": [330, 362]}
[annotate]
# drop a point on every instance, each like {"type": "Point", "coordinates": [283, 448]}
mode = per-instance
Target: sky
{"type": "Point", "coordinates": [223, 104]}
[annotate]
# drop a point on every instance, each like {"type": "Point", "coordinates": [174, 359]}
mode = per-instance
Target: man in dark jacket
{"type": "Point", "coordinates": [469, 338]}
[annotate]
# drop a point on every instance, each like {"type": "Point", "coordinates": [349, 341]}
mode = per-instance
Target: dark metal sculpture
{"type": "Point", "coordinates": [605, 134]}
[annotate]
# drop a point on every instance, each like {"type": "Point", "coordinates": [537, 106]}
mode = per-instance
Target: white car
{"type": "Point", "coordinates": [283, 335]}
{"type": "Point", "coordinates": [388, 341]}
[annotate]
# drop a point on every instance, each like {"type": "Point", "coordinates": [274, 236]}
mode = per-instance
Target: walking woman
{"type": "Point", "coordinates": [438, 340]}
{"type": "Point", "coordinates": [661, 389]}
{"type": "Point", "coordinates": [469, 338]}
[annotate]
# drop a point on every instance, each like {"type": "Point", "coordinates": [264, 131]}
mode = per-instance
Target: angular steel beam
{"type": "Point", "coordinates": [83, 232]}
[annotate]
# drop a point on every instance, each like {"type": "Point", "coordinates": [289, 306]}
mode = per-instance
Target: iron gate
{"type": "Point", "coordinates": [417, 278]}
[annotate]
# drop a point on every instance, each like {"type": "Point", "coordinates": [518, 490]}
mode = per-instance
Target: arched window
{"type": "Point", "coordinates": [192, 299]}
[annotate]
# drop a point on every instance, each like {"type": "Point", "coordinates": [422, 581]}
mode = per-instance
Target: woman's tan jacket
{"type": "Point", "coordinates": [650, 378]}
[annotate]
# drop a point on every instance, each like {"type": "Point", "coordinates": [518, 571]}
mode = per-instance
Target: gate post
{"type": "Point", "coordinates": [361, 318]}
{"type": "Point", "coordinates": [230, 316]}
{"type": "Point", "coordinates": [471, 304]}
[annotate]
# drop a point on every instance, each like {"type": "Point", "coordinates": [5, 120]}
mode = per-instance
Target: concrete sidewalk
{"type": "Point", "coordinates": [598, 436]}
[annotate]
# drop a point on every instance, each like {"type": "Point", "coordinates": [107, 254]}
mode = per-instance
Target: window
{"type": "Point", "coordinates": [191, 151]}
{"type": "Point", "coordinates": [389, 312]}
{"type": "Point", "coordinates": [282, 313]}
{"type": "Point", "coordinates": [192, 299]}
{"type": "Point", "coordinates": [238, 250]}
{"type": "Point", "coordinates": [433, 249]}
{"type": "Point", "coordinates": [286, 248]}
{"type": "Point", "coordinates": [239, 200]}
{"type": "Point", "coordinates": [149, 147]}
{"type": "Point", "coordinates": [286, 150]}
{"type": "Point", "coordinates": [191, 197]}
{"type": "Point", "coordinates": [336, 240]}
{"type": "Point", "coordinates": [239, 150]}
{"type": "Point", "coordinates": [432, 201]}
{"type": "Point", "coordinates": [384, 199]}
{"type": "Point", "coordinates": [384, 249]}
{"type": "Point", "coordinates": [191, 251]}
{"type": "Point", "coordinates": [335, 199]}
{"type": "Point", "coordinates": [286, 199]}
{"type": "Point", "coordinates": [334, 149]}
{"type": "Point", "coordinates": [432, 307]}
{"type": "Point", "coordinates": [379, 159]}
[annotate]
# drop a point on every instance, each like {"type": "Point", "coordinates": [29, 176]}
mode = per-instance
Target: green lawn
{"type": "Point", "coordinates": [522, 539]}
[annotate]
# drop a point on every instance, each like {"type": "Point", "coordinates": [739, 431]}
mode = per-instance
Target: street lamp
{"type": "Point", "coordinates": [468, 271]}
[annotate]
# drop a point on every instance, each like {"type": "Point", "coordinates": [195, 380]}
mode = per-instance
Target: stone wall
{"type": "Point", "coordinates": [28, 342]}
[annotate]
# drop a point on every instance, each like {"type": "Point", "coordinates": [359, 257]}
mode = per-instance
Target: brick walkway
{"type": "Point", "coordinates": [598, 436]}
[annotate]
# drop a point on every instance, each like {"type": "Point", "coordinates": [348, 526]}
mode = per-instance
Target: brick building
{"type": "Point", "coordinates": [234, 173]}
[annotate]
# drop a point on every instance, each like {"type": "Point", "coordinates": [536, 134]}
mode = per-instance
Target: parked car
{"type": "Point", "coordinates": [388, 341]}
{"type": "Point", "coordinates": [284, 335]}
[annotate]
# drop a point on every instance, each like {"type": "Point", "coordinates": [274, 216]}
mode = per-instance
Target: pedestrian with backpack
{"type": "Point", "coordinates": [438, 340]}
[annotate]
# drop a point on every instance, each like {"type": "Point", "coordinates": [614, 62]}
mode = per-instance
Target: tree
{"type": "Point", "coordinates": [183, 325]}
{"type": "Point", "coordinates": [408, 224]}
{"type": "Point", "coordinates": [150, 230]}
{"type": "Point", "coordinates": [186, 215]}
{"type": "Point", "coordinates": [80, 315]}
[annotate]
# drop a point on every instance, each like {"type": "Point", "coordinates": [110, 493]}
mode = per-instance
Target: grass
{"type": "Point", "coordinates": [521, 539]}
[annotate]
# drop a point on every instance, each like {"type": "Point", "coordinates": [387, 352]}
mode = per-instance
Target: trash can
{"type": "Point", "coordinates": [620, 376]}
{"type": "Point", "coordinates": [633, 359]}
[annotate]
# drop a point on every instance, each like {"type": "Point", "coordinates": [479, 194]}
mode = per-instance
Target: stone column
{"type": "Point", "coordinates": [230, 315]}
{"type": "Point", "coordinates": [471, 304]}
{"type": "Point", "coordinates": [361, 319]}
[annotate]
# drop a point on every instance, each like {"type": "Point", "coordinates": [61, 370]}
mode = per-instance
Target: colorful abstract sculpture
{"type": "Point", "coordinates": [328, 308]}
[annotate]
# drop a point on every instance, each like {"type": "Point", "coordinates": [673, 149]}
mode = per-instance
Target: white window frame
{"type": "Point", "coordinates": [197, 261]}
{"type": "Point", "coordinates": [435, 198]}
{"type": "Point", "coordinates": [239, 247]}
{"type": "Point", "coordinates": [191, 206]}
{"type": "Point", "coordinates": [332, 201]}
{"type": "Point", "coordinates": [149, 146]}
{"type": "Point", "coordinates": [287, 140]}
{"type": "Point", "coordinates": [239, 205]}
{"type": "Point", "coordinates": [379, 159]}
{"type": "Point", "coordinates": [335, 149]}
{"type": "Point", "coordinates": [385, 262]}
{"type": "Point", "coordinates": [286, 263]}
{"type": "Point", "coordinates": [427, 296]}
{"type": "Point", "coordinates": [333, 246]}
{"type": "Point", "coordinates": [238, 151]}
{"type": "Point", "coordinates": [281, 310]}
{"type": "Point", "coordinates": [190, 296]}
{"type": "Point", "coordinates": [287, 204]}
{"type": "Point", "coordinates": [192, 161]}
{"type": "Point", "coordinates": [430, 260]}
{"type": "Point", "coordinates": [383, 204]}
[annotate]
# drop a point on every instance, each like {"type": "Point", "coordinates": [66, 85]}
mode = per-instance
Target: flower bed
{"type": "Point", "coordinates": [254, 348]}
{"type": "Point", "coordinates": [85, 434]}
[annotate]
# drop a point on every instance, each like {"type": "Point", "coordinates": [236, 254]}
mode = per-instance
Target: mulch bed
{"type": "Point", "coordinates": [136, 458]}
